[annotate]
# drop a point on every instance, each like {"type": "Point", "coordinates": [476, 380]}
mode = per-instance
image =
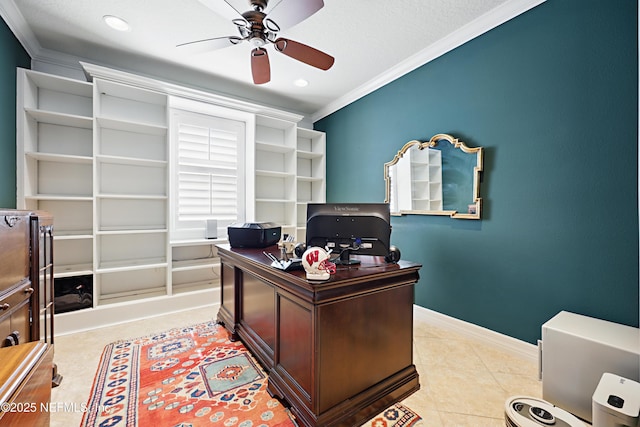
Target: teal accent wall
{"type": "Point", "coordinates": [552, 95]}
{"type": "Point", "coordinates": [13, 55]}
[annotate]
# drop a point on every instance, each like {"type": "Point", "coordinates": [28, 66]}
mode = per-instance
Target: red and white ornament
{"type": "Point", "coordinates": [317, 264]}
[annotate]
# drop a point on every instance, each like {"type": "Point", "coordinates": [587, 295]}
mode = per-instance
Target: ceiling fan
{"type": "Point", "coordinates": [259, 29]}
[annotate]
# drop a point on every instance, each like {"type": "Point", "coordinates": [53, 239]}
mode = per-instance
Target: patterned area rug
{"type": "Point", "coordinates": [192, 376]}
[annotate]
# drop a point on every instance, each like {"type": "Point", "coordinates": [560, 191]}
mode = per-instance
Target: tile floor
{"type": "Point", "coordinates": [463, 381]}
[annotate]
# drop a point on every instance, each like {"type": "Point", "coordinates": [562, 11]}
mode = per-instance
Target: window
{"type": "Point", "coordinates": [209, 174]}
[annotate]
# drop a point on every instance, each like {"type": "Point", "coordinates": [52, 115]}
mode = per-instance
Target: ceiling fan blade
{"type": "Point", "coordinates": [223, 8]}
{"type": "Point", "coordinates": [207, 45]}
{"type": "Point", "coordinates": [304, 53]}
{"type": "Point", "coordinates": [287, 13]}
{"type": "Point", "coordinates": [260, 68]}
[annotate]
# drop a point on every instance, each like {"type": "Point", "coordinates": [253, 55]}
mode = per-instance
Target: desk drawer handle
{"type": "Point", "coordinates": [28, 291]}
{"type": "Point", "coordinates": [5, 306]}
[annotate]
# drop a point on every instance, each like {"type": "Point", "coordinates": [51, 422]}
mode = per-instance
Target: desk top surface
{"type": "Point", "coordinates": [369, 270]}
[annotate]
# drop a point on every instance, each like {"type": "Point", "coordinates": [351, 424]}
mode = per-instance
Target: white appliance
{"type": "Point", "coordinates": [616, 402]}
{"type": "Point", "coordinates": [522, 411]}
{"type": "Point", "coordinates": [576, 351]}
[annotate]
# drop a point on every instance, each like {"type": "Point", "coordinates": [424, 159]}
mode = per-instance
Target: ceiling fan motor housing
{"type": "Point", "coordinates": [256, 36]}
{"type": "Point", "coordinates": [259, 29]}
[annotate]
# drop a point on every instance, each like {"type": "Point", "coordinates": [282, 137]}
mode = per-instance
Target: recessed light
{"type": "Point", "coordinates": [301, 83]}
{"type": "Point", "coordinates": [116, 23]}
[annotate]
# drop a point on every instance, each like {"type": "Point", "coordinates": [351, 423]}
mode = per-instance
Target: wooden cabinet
{"type": "Point", "coordinates": [338, 351]}
{"type": "Point", "coordinates": [15, 278]}
{"type": "Point", "coordinates": [15, 325]}
{"type": "Point", "coordinates": [25, 384]}
{"type": "Point", "coordinates": [42, 307]}
{"type": "Point", "coordinates": [26, 277]}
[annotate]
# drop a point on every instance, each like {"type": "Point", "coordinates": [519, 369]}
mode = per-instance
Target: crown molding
{"type": "Point", "coordinates": [483, 24]}
{"type": "Point", "coordinates": [65, 64]}
{"type": "Point", "coordinates": [18, 26]}
{"type": "Point", "coordinates": [479, 26]}
{"type": "Point", "coordinates": [97, 71]}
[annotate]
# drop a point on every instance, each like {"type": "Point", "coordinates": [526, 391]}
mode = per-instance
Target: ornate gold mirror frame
{"type": "Point", "coordinates": [426, 178]}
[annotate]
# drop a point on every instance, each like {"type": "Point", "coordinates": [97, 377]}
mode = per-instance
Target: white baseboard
{"type": "Point", "coordinates": [114, 314]}
{"type": "Point", "coordinates": [500, 341]}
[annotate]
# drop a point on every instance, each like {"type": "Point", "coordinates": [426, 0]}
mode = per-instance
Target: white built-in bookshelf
{"type": "Point", "coordinates": [97, 156]}
{"type": "Point", "coordinates": [131, 193]}
{"type": "Point", "coordinates": [426, 179]}
{"type": "Point", "coordinates": [310, 175]}
{"type": "Point", "coordinates": [55, 163]}
{"type": "Point", "coordinates": [423, 169]}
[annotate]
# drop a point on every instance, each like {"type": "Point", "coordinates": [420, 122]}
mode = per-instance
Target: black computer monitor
{"type": "Point", "coordinates": [350, 228]}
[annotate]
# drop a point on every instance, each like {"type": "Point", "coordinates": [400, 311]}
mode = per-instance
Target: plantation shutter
{"type": "Point", "coordinates": [210, 175]}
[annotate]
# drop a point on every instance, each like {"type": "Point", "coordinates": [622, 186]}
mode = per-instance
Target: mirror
{"type": "Point", "coordinates": [438, 177]}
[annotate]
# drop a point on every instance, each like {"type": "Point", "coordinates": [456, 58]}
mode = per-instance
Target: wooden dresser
{"type": "Point", "coordinates": [26, 277]}
{"type": "Point", "coordinates": [27, 371]}
{"type": "Point", "coordinates": [25, 384]}
{"type": "Point", "coordinates": [16, 289]}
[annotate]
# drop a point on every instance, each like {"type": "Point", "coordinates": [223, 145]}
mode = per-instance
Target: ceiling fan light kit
{"type": "Point", "coordinates": [255, 27]}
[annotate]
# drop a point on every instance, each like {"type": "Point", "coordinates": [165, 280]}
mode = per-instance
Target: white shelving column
{"type": "Point", "coordinates": [425, 179]}
{"type": "Point", "coordinates": [436, 200]}
{"type": "Point", "coordinates": [275, 173]}
{"type": "Point", "coordinates": [55, 163]}
{"type": "Point", "coordinates": [131, 188]}
{"type": "Point", "coordinates": [310, 175]}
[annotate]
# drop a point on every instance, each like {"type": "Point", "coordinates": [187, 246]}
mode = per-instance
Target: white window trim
{"type": "Point", "coordinates": [176, 105]}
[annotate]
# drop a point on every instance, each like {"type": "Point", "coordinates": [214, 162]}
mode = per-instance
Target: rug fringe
{"type": "Point", "coordinates": [167, 331]}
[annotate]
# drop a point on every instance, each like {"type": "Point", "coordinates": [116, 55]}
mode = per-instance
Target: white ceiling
{"type": "Point", "coordinates": [373, 42]}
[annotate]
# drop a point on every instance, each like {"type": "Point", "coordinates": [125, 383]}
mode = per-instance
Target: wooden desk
{"type": "Point", "coordinates": [338, 351]}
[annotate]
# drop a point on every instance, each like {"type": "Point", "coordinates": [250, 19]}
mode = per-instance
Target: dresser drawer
{"type": "Point", "coordinates": [25, 382]}
{"type": "Point", "coordinates": [15, 314]}
{"type": "Point", "coordinates": [19, 326]}
{"type": "Point", "coordinates": [14, 296]}
{"type": "Point", "coordinates": [14, 248]}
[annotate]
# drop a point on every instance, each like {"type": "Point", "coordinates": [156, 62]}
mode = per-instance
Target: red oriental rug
{"type": "Point", "coordinates": [192, 376]}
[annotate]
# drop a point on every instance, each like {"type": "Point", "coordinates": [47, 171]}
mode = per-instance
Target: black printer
{"type": "Point", "coordinates": [254, 234]}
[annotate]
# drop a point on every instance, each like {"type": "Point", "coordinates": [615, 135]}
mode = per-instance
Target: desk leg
{"type": "Point", "coordinates": [227, 315]}
{"type": "Point", "coordinates": [233, 335]}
